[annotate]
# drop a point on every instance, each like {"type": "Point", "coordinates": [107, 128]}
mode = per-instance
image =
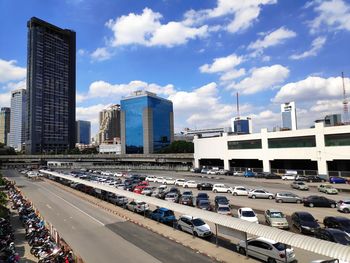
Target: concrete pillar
{"type": "Point", "coordinates": [265, 151]}
{"type": "Point", "coordinates": [196, 163]}
{"type": "Point", "coordinates": [147, 120]}
{"type": "Point", "coordinates": [226, 164]}
{"type": "Point", "coordinates": [266, 165]}
{"type": "Point", "coordinates": [122, 132]}
{"type": "Point", "coordinates": [320, 148]}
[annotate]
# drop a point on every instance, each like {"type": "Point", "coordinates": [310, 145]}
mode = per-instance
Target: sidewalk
{"type": "Point", "coordinates": [21, 244]}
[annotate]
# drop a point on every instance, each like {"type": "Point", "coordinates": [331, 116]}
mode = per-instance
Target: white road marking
{"type": "Point", "coordinates": [48, 206]}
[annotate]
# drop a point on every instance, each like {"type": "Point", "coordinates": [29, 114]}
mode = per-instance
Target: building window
{"type": "Point", "coordinates": [241, 145]}
{"type": "Point", "coordinates": [292, 142]}
{"type": "Point", "coordinates": [337, 139]}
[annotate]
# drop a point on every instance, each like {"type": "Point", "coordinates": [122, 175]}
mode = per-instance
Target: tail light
{"type": "Point", "coordinates": [340, 202]}
{"type": "Point", "coordinates": [282, 255]}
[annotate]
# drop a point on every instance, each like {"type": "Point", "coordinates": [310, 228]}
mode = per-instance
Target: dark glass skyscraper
{"type": "Point", "coordinates": [50, 126]}
{"type": "Point", "coordinates": [83, 132]}
{"type": "Point", "coordinates": [147, 123]}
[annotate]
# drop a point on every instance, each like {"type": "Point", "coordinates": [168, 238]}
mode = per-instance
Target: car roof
{"type": "Point", "coordinates": [303, 213]}
{"type": "Point", "coordinates": [275, 210]}
{"type": "Point", "coordinates": [266, 240]}
{"type": "Point", "coordinates": [246, 209]}
{"type": "Point", "coordinates": [333, 230]}
{"type": "Point", "coordinates": [163, 209]}
{"type": "Point", "coordinates": [189, 217]}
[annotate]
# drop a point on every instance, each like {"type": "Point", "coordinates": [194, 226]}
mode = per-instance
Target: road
{"type": "Point", "coordinates": [98, 236]}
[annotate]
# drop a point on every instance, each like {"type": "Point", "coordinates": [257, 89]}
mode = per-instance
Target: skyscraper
{"type": "Point", "coordinates": [109, 124]}
{"type": "Point", "coordinates": [241, 125]}
{"type": "Point", "coordinates": [18, 109]}
{"type": "Point", "coordinates": [147, 123]}
{"type": "Point", "coordinates": [83, 132]}
{"type": "Point", "coordinates": [4, 124]}
{"type": "Point", "coordinates": [50, 125]}
{"type": "Point", "coordinates": [289, 116]}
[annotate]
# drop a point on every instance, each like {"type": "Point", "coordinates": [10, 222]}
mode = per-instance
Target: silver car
{"type": "Point", "coordinates": [299, 185]}
{"type": "Point", "coordinates": [288, 197]}
{"type": "Point", "coordinates": [260, 193]}
{"type": "Point", "coordinates": [276, 218]}
{"type": "Point", "coordinates": [344, 206]}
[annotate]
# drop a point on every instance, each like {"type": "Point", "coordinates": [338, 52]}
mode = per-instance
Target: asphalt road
{"type": "Point", "coordinates": [96, 235]}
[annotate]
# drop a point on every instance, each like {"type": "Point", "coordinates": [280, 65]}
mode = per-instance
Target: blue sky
{"type": "Point", "coordinates": [196, 53]}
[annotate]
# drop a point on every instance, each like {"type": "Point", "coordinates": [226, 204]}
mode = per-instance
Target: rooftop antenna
{"type": "Point", "coordinates": [345, 103]}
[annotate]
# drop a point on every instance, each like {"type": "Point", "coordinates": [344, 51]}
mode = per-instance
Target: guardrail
{"type": "Point", "coordinates": [307, 243]}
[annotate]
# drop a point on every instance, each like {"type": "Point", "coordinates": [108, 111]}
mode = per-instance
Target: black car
{"type": "Point", "coordinates": [267, 176]}
{"type": "Point", "coordinates": [220, 199]}
{"type": "Point", "coordinates": [305, 222]}
{"type": "Point", "coordinates": [315, 179]}
{"type": "Point", "coordinates": [171, 190]}
{"type": "Point", "coordinates": [186, 200]}
{"type": "Point", "coordinates": [201, 196]}
{"type": "Point", "coordinates": [205, 186]}
{"type": "Point", "coordinates": [333, 235]}
{"type": "Point", "coordinates": [319, 201]}
{"type": "Point", "coordinates": [338, 222]}
{"type": "Point", "coordinates": [204, 204]}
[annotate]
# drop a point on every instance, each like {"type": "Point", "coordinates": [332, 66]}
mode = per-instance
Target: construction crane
{"type": "Point", "coordinates": [345, 103]}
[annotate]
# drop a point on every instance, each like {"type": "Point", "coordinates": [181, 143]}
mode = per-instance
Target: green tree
{"type": "Point", "coordinates": [178, 147]}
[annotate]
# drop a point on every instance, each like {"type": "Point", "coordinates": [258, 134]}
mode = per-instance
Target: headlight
{"type": "Point", "coordinates": [306, 227]}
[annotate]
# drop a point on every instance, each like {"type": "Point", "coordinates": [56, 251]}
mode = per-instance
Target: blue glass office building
{"type": "Point", "coordinates": [147, 123]}
{"type": "Point", "coordinates": [83, 129]}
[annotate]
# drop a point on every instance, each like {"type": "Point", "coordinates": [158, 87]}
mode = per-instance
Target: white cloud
{"type": "Point", "coordinates": [316, 46]}
{"type": "Point", "coordinates": [221, 64]}
{"type": "Point", "coordinates": [272, 39]}
{"type": "Point", "coordinates": [232, 74]}
{"type": "Point", "coordinates": [334, 14]}
{"type": "Point", "coordinates": [244, 13]}
{"type": "Point", "coordinates": [101, 54]}
{"type": "Point", "coordinates": [146, 29]}
{"type": "Point", "coordinates": [81, 52]}
{"type": "Point", "coordinates": [261, 79]}
{"type": "Point", "coordinates": [311, 89]}
{"type": "Point", "coordinates": [9, 71]}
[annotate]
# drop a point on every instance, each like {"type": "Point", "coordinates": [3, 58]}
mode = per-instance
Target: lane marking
{"type": "Point", "coordinates": [49, 206]}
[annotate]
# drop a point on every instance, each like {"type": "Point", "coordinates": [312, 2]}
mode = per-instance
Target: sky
{"type": "Point", "coordinates": [198, 54]}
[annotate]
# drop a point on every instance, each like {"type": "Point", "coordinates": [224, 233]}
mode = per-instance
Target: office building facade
{"type": "Point", "coordinates": [147, 123]}
{"type": "Point", "coordinates": [5, 115]}
{"type": "Point", "coordinates": [289, 116]}
{"type": "Point", "coordinates": [18, 110]}
{"type": "Point", "coordinates": [50, 125]}
{"type": "Point", "coordinates": [83, 132]}
{"type": "Point", "coordinates": [241, 125]}
{"type": "Point", "coordinates": [109, 130]}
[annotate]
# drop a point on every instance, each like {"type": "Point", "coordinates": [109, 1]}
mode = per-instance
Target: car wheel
{"type": "Point", "coordinates": [346, 210]}
{"type": "Point", "coordinates": [215, 191]}
{"type": "Point", "coordinates": [298, 201]}
{"type": "Point", "coordinates": [311, 205]}
{"type": "Point", "coordinates": [186, 186]}
{"type": "Point", "coordinates": [235, 194]}
{"type": "Point", "coordinates": [253, 196]}
{"type": "Point", "coordinates": [271, 260]}
{"type": "Point", "coordinates": [332, 205]}
{"type": "Point", "coordinates": [242, 251]}
{"type": "Point", "coordinates": [270, 197]}
{"type": "Point", "coordinates": [280, 201]}
{"type": "Point", "coordinates": [229, 192]}
{"type": "Point", "coordinates": [179, 227]}
{"type": "Point", "coordinates": [195, 234]}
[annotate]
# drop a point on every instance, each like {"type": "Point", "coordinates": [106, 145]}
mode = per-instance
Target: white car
{"type": "Point", "coordinates": [260, 193]}
{"type": "Point", "coordinates": [151, 178]}
{"type": "Point", "coordinates": [266, 249]}
{"type": "Point", "coordinates": [169, 180]}
{"type": "Point", "coordinates": [213, 172]}
{"type": "Point", "coordinates": [137, 206]}
{"type": "Point", "coordinates": [222, 188]}
{"type": "Point", "coordinates": [289, 177]}
{"type": "Point", "coordinates": [194, 226]}
{"type": "Point", "coordinates": [159, 180]}
{"type": "Point", "coordinates": [180, 182]}
{"type": "Point", "coordinates": [247, 214]}
{"type": "Point", "coordinates": [239, 190]}
{"type": "Point", "coordinates": [190, 184]}
{"type": "Point", "coordinates": [118, 174]}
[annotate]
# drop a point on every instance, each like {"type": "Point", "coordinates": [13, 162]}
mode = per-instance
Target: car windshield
{"type": "Point", "coordinates": [223, 208]}
{"type": "Point", "coordinates": [187, 193]}
{"type": "Point", "coordinates": [204, 202]}
{"type": "Point", "coordinates": [202, 196]}
{"type": "Point", "coordinates": [306, 217]}
{"type": "Point", "coordinates": [276, 215]}
{"type": "Point", "coordinates": [198, 222]}
{"type": "Point", "coordinates": [342, 238]}
{"type": "Point", "coordinates": [221, 199]}
{"type": "Point", "coordinates": [168, 213]}
{"type": "Point", "coordinates": [248, 214]}
{"type": "Point", "coordinates": [279, 246]}
{"type": "Point", "coordinates": [300, 183]}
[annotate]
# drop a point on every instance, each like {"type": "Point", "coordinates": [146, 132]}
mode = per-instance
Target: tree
{"type": "Point", "coordinates": [178, 147]}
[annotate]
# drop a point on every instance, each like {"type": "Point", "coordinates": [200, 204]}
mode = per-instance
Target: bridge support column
{"type": "Point", "coordinates": [226, 164]}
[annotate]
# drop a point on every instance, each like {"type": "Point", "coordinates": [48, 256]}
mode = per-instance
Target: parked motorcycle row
{"type": "Point", "coordinates": [7, 246]}
{"type": "Point", "coordinates": [43, 246]}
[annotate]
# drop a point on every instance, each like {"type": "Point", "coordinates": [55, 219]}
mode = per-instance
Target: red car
{"type": "Point", "coordinates": [143, 183]}
{"type": "Point", "coordinates": [138, 189]}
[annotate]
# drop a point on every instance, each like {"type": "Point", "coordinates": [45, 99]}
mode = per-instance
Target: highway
{"type": "Point", "coordinates": [98, 236]}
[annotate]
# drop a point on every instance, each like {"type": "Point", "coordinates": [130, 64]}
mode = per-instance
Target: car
{"type": "Point", "coordinates": [339, 222]}
{"type": "Point", "coordinates": [289, 176]}
{"type": "Point", "coordinates": [288, 197]}
{"type": "Point", "coordinates": [223, 209]}
{"type": "Point", "coordinates": [319, 201]}
{"type": "Point", "coordinates": [119, 200]}
{"type": "Point", "coordinates": [225, 172]}
{"type": "Point", "coordinates": [276, 218]}
{"type": "Point", "coordinates": [205, 186]}
{"type": "Point", "coordinates": [314, 179]}
{"type": "Point", "coordinates": [120, 186]}
{"type": "Point", "coordinates": [300, 185]}
{"type": "Point", "coordinates": [337, 180]}
{"type": "Point", "coordinates": [249, 173]}
{"type": "Point", "coordinates": [204, 171]}
{"type": "Point", "coordinates": [304, 222]}
{"type": "Point", "coordinates": [247, 214]}
{"type": "Point", "coordinates": [151, 178]}
{"type": "Point", "coordinates": [172, 197]}
{"type": "Point", "coordinates": [201, 196]}
{"type": "Point", "coordinates": [190, 184]}
{"type": "Point", "coordinates": [195, 170]}
{"type": "Point", "coordinates": [222, 188]}
{"type": "Point", "coordinates": [187, 193]}
{"type": "Point", "coordinates": [137, 206]}
{"type": "Point", "coordinates": [169, 180]}
{"type": "Point", "coordinates": [158, 192]}
{"type": "Point", "coordinates": [260, 193]}
{"type": "Point", "coordinates": [138, 189]}
{"type": "Point", "coordinates": [213, 171]}
{"type": "Point", "coordinates": [194, 225]}
{"type": "Point", "coordinates": [266, 249]}
{"type": "Point", "coordinates": [333, 235]}
{"type": "Point", "coordinates": [221, 200]}
{"type": "Point", "coordinates": [343, 206]}
{"type": "Point", "coordinates": [163, 215]}
{"type": "Point", "coordinates": [327, 188]}
{"type": "Point", "coordinates": [186, 200]}
{"type": "Point", "coordinates": [159, 179]}
{"type": "Point", "coordinates": [148, 190]}
{"type": "Point", "coordinates": [239, 190]}
{"type": "Point", "coordinates": [204, 204]}
{"type": "Point", "coordinates": [266, 175]}
{"type": "Point", "coordinates": [180, 182]}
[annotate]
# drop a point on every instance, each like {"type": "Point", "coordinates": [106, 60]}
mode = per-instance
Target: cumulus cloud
{"type": "Point", "coordinates": [316, 46]}
{"type": "Point", "coordinates": [9, 71]}
{"type": "Point", "coordinates": [272, 39]}
{"type": "Point", "coordinates": [101, 54]}
{"type": "Point", "coordinates": [221, 64]}
{"type": "Point", "coordinates": [261, 79]}
{"type": "Point", "coordinates": [147, 29]}
{"type": "Point", "coordinates": [310, 89]}
{"type": "Point", "coordinates": [242, 14]}
{"type": "Point", "coordinates": [332, 14]}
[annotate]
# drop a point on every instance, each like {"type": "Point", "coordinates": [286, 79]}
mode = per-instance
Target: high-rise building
{"type": "Point", "coordinates": [4, 124]}
{"type": "Point", "coordinates": [83, 132]}
{"type": "Point", "coordinates": [289, 116]}
{"type": "Point", "coordinates": [109, 124]}
{"type": "Point", "coordinates": [241, 125]}
{"type": "Point", "coordinates": [18, 110]}
{"type": "Point", "coordinates": [147, 123]}
{"type": "Point", "coordinates": [331, 120]}
{"type": "Point", "coordinates": [50, 125]}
